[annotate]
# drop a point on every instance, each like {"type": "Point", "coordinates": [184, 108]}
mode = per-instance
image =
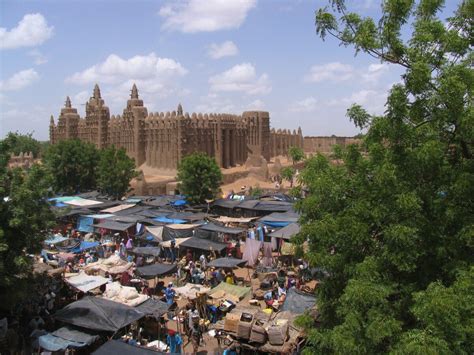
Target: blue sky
{"type": "Point", "coordinates": [210, 55]}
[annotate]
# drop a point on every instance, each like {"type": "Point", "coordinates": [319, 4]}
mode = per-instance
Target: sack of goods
{"type": "Point", "coordinates": [258, 333]}
{"type": "Point", "coordinates": [231, 322]}
{"type": "Point", "coordinates": [278, 332]}
{"type": "Point", "coordinates": [245, 326]}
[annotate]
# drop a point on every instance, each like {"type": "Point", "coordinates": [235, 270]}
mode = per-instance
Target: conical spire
{"type": "Point", "coordinates": [134, 94]}
{"type": "Point", "coordinates": [96, 92]}
{"type": "Point", "coordinates": [68, 102]}
{"type": "Point", "coordinates": [180, 110]}
{"type": "Point", "coordinates": [51, 121]}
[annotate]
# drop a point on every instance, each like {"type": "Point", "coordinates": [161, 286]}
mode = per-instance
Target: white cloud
{"type": "Point", "coordinates": [374, 72]}
{"type": "Point", "coordinates": [241, 78]}
{"type": "Point", "coordinates": [330, 72]}
{"type": "Point", "coordinates": [192, 16]}
{"type": "Point", "coordinates": [31, 31]}
{"type": "Point", "coordinates": [19, 80]}
{"type": "Point", "coordinates": [115, 69]}
{"type": "Point", "coordinates": [256, 105]}
{"type": "Point", "coordinates": [225, 49]}
{"type": "Point", "coordinates": [306, 105]}
{"type": "Point", "coordinates": [38, 57]}
{"type": "Point", "coordinates": [373, 101]}
{"type": "Point", "coordinates": [80, 98]}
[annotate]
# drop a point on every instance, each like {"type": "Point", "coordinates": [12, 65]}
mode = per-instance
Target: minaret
{"type": "Point", "coordinates": [96, 92]}
{"type": "Point", "coordinates": [68, 102]}
{"type": "Point", "coordinates": [134, 94]}
{"type": "Point", "coordinates": [179, 112]}
{"type": "Point", "coordinates": [52, 139]}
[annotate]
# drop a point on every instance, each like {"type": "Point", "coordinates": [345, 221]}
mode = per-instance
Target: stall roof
{"type": "Point", "coordinates": [113, 347]}
{"type": "Point", "coordinates": [83, 246]}
{"type": "Point", "coordinates": [226, 262]}
{"type": "Point", "coordinates": [225, 203]}
{"type": "Point", "coordinates": [298, 302]}
{"type": "Point", "coordinates": [114, 225]}
{"type": "Point", "coordinates": [64, 338]}
{"type": "Point", "coordinates": [152, 307]}
{"type": "Point", "coordinates": [212, 227]}
{"type": "Point", "coordinates": [85, 283]}
{"type": "Point", "coordinates": [164, 219]}
{"type": "Point", "coordinates": [155, 251]}
{"type": "Point", "coordinates": [118, 208]}
{"type": "Point", "coordinates": [224, 290]}
{"type": "Point", "coordinates": [271, 206]}
{"type": "Point", "coordinates": [287, 232]}
{"type": "Point", "coordinates": [278, 219]}
{"type": "Point", "coordinates": [156, 233]}
{"type": "Point", "coordinates": [81, 202]}
{"type": "Point", "coordinates": [98, 314]}
{"type": "Point", "coordinates": [203, 244]}
{"type": "Point", "coordinates": [188, 216]}
{"type": "Point", "coordinates": [55, 239]}
{"type": "Point", "coordinates": [154, 270]}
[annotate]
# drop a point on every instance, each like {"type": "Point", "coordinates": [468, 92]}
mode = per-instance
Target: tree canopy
{"type": "Point", "coordinates": [25, 217]}
{"type": "Point", "coordinates": [200, 177]}
{"type": "Point", "coordinates": [115, 171]}
{"type": "Point", "coordinates": [17, 143]}
{"type": "Point", "coordinates": [296, 154]}
{"type": "Point", "coordinates": [73, 165]}
{"type": "Point", "coordinates": [393, 226]}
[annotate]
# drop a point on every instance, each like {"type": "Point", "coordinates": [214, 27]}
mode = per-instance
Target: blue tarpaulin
{"type": "Point", "coordinates": [84, 224]}
{"type": "Point", "coordinates": [178, 203]}
{"type": "Point", "coordinates": [85, 246]}
{"type": "Point", "coordinates": [164, 219]}
{"type": "Point", "coordinates": [55, 239]}
{"type": "Point", "coordinates": [52, 343]}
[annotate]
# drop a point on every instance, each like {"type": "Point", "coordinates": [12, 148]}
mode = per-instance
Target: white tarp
{"type": "Point", "coordinates": [85, 283]}
{"type": "Point", "coordinates": [157, 232]}
{"type": "Point", "coordinates": [113, 265]}
{"type": "Point", "coordinates": [190, 291]}
{"type": "Point", "coordinates": [78, 201]}
{"type": "Point", "coordinates": [117, 208]}
{"type": "Point", "coordinates": [167, 244]}
{"type": "Point", "coordinates": [123, 294]}
{"type": "Point", "coordinates": [225, 219]}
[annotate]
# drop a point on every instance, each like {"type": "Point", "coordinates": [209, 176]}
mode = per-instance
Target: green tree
{"type": "Point", "coordinates": [17, 143]}
{"type": "Point", "coordinates": [287, 173]}
{"type": "Point", "coordinates": [296, 154]}
{"type": "Point", "coordinates": [73, 165]}
{"type": "Point", "coordinates": [25, 217]}
{"type": "Point", "coordinates": [393, 227]}
{"type": "Point", "coordinates": [115, 171]}
{"type": "Point", "coordinates": [200, 177]}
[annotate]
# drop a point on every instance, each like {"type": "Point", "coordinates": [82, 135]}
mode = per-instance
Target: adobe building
{"type": "Point", "coordinates": [325, 144]}
{"type": "Point", "coordinates": [161, 140]}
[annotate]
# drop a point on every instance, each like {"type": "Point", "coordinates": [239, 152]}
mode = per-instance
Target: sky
{"type": "Point", "coordinates": [211, 56]}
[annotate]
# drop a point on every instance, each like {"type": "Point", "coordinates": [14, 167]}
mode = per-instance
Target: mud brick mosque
{"type": "Point", "coordinates": [161, 140]}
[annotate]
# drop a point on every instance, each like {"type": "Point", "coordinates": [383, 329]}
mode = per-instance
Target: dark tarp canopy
{"type": "Point", "coordinates": [154, 270]}
{"type": "Point", "coordinates": [298, 302]}
{"type": "Point", "coordinates": [189, 216]}
{"type": "Point", "coordinates": [132, 210]}
{"type": "Point", "coordinates": [226, 263]}
{"type": "Point", "coordinates": [287, 232]}
{"type": "Point", "coordinates": [98, 314]}
{"type": "Point", "coordinates": [271, 206]}
{"type": "Point", "coordinates": [225, 203]}
{"type": "Point", "coordinates": [114, 225]}
{"type": "Point", "coordinates": [170, 233]}
{"type": "Point", "coordinates": [212, 227]}
{"type": "Point", "coordinates": [203, 244]}
{"type": "Point", "coordinates": [278, 219]}
{"type": "Point", "coordinates": [115, 347]}
{"type": "Point", "coordinates": [154, 251]}
{"type": "Point", "coordinates": [153, 308]}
